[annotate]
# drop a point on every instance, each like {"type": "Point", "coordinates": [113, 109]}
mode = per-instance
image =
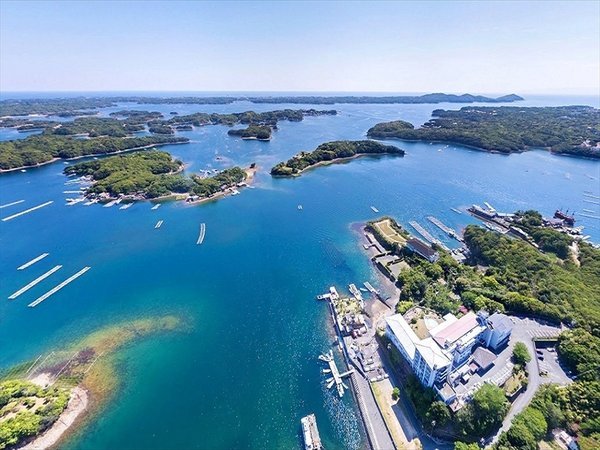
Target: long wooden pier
{"type": "Point", "coordinates": [34, 282]}
{"type": "Point", "coordinates": [446, 229]}
{"type": "Point", "coordinates": [55, 289]}
{"type": "Point", "coordinates": [14, 216]}
{"type": "Point", "coordinates": [33, 261]}
{"type": "Point", "coordinates": [422, 231]}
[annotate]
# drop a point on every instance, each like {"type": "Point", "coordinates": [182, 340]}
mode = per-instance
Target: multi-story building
{"type": "Point", "coordinates": [449, 345]}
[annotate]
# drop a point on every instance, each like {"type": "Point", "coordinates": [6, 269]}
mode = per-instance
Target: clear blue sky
{"type": "Point", "coordinates": [478, 47]}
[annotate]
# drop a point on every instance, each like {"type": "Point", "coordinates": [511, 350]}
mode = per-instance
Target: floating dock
{"type": "Point", "coordinates": [591, 196]}
{"type": "Point", "coordinates": [155, 207]}
{"type": "Point", "coordinates": [55, 289]}
{"type": "Point", "coordinates": [422, 231]}
{"type": "Point", "coordinates": [457, 211]}
{"type": "Point", "coordinates": [158, 224]}
{"type": "Point", "coordinates": [591, 216]}
{"type": "Point", "coordinates": [126, 206]}
{"type": "Point", "coordinates": [585, 200]}
{"type": "Point", "coordinates": [33, 261]}
{"type": "Point", "coordinates": [202, 234]}
{"type": "Point", "coordinates": [27, 211]}
{"type": "Point", "coordinates": [11, 204]}
{"type": "Point", "coordinates": [336, 378]}
{"type": "Point", "coordinates": [446, 229]}
{"type": "Point", "coordinates": [34, 282]}
{"type": "Point", "coordinates": [354, 291]}
{"type": "Point", "coordinates": [111, 203]}
{"type": "Point", "coordinates": [310, 433]}
{"type": "Point", "coordinates": [375, 210]}
{"type": "Point", "coordinates": [370, 288]}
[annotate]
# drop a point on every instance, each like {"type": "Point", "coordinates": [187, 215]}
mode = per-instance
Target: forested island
{"type": "Point", "coordinates": [571, 130]}
{"type": "Point", "coordinates": [330, 152]}
{"type": "Point", "coordinates": [149, 174]}
{"type": "Point", "coordinates": [39, 149]}
{"type": "Point", "coordinates": [260, 132]}
{"type": "Point", "coordinates": [75, 105]}
{"type": "Point", "coordinates": [111, 134]}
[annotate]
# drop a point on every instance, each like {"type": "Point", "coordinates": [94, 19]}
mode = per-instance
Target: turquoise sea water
{"type": "Point", "coordinates": [246, 371]}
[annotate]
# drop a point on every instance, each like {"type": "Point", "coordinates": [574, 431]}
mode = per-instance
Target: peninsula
{"type": "Point", "coordinates": [40, 149]}
{"type": "Point", "coordinates": [149, 175]}
{"type": "Point", "coordinates": [569, 130]}
{"type": "Point", "coordinates": [74, 106]}
{"type": "Point", "coordinates": [42, 400]}
{"type": "Point", "coordinates": [332, 152]}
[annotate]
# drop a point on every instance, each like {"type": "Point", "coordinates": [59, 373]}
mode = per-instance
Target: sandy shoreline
{"type": "Point", "coordinates": [78, 403]}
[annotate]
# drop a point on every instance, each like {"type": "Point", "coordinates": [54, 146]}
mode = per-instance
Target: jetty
{"type": "Point", "coordinates": [370, 288]}
{"type": "Point", "coordinates": [591, 216]}
{"type": "Point", "coordinates": [375, 210]}
{"type": "Point", "coordinates": [422, 231]}
{"type": "Point", "coordinates": [354, 291]}
{"type": "Point", "coordinates": [57, 288]}
{"type": "Point", "coordinates": [34, 282]}
{"type": "Point", "coordinates": [446, 229]}
{"type": "Point", "coordinates": [158, 224]}
{"type": "Point", "coordinates": [337, 378]}
{"type": "Point", "coordinates": [457, 211]}
{"type": "Point", "coordinates": [155, 207]}
{"type": "Point", "coordinates": [111, 203]}
{"type": "Point", "coordinates": [11, 204]}
{"type": "Point", "coordinates": [27, 211]}
{"type": "Point", "coordinates": [586, 194]}
{"type": "Point", "coordinates": [202, 234]}
{"type": "Point", "coordinates": [310, 433]}
{"type": "Point", "coordinates": [585, 200]}
{"type": "Point", "coordinates": [33, 261]}
{"type": "Point", "coordinates": [126, 206]}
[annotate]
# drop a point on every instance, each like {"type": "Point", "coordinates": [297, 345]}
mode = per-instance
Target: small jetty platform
{"type": "Point", "coordinates": [354, 291]}
{"type": "Point", "coordinates": [457, 211]}
{"type": "Point", "coordinates": [336, 378]}
{"type": "Point", "coordinates": [422, 231]}
{"type": "Point", "coordinates": [202, 234]}
{"type": "Point", "coordinates": [33, 261]}
{"type": "Point", "coordinates": [310, 433]}
{"type": "Point", "coordinates": [155, 207]}
{"type": "Point", "coordinates": [591, 216]}
{"type": "Point", "coordinates": [590, 195]}
{"type": "Point", "coordinates": [27, 211]}
{"type": "Point", "coordinates": [126, 206]}
{"type": "Point", "coordinates": [110, 204]}
{"type": "Point", "coordinates": [158, 224]}
{"type": "Point", "coordinates": [57, 288]}
{"type": "Point", "coordinates": [34, 282]}
{"type": "Point", "coordinates": [370, 288]}
{"type": "Point", "coordinates": [11, 204]}
{"type": "Point", "coordinates": [446, 229]}
{"type": "Point", "coordinates": [375, 210]}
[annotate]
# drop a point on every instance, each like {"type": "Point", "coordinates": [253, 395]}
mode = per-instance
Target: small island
{"type": "Point", "coordinates": [152, 174]}
{"type": "Point", "coordinates": [332, 152]}
{"type": "Point", "coordinates": [569, 130]}
{"type": "Point", "coordinates": [259, 132]}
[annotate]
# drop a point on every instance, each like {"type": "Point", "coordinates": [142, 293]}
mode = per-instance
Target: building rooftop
{"type": "Point", "coordinates": [457, 329]}
{"type": "Point", "coordinates": [483, 358]}
{"type": "Point", "coordinates": [500, 322]}
{"type": "Point", "coordinates": [403, 333]}
{"type": "Point", "coordinates": [433, 355]}
{"type": "Point", "coordinates": [420, 247]}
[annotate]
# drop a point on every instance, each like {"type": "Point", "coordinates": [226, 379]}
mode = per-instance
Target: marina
{"type": "Point", "coordinates": [158, 224]}
{"type": "Point", "coordinates": [34, 282]}
{"type": "Point", "coordinates": [57, 288]}
{"type": "Point", "coordinates": [27, 211]}
{"type": "Point", "coordinates": [310, 433]}
{"type": "Point", "coordinates": [337, 379]}
{"type": "Point", "coordinates": [11, 204]}
{"type": "Point", "coordinates": [202, 234]}
{"type": "Point", "coordinates": [449, 231]}
{"type": "Point", "coordinates": [33, 261]}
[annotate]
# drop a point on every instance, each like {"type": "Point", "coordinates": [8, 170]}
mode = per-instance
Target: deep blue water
{"type": "Point", "coordinates": [246, 371]}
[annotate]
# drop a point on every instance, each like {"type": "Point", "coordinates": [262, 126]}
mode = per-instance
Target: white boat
{"type": "Point", "coordinates": [155, 207]}
{"type": "Point", "coordinates": [300, 207]}
{"type": "Point", "coordinates": [374, 209]}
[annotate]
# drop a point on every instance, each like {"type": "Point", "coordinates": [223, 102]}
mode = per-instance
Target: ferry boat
{"type": "Point", "coordinates": [310, 433]}
{"type": "Point", "coordinates": [565, 217]}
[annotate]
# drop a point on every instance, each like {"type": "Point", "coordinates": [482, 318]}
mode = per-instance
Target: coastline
{"type": "Point", "coordinates": [61, 428]}
{"type": "Point", "coordinates": [53, 160]}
